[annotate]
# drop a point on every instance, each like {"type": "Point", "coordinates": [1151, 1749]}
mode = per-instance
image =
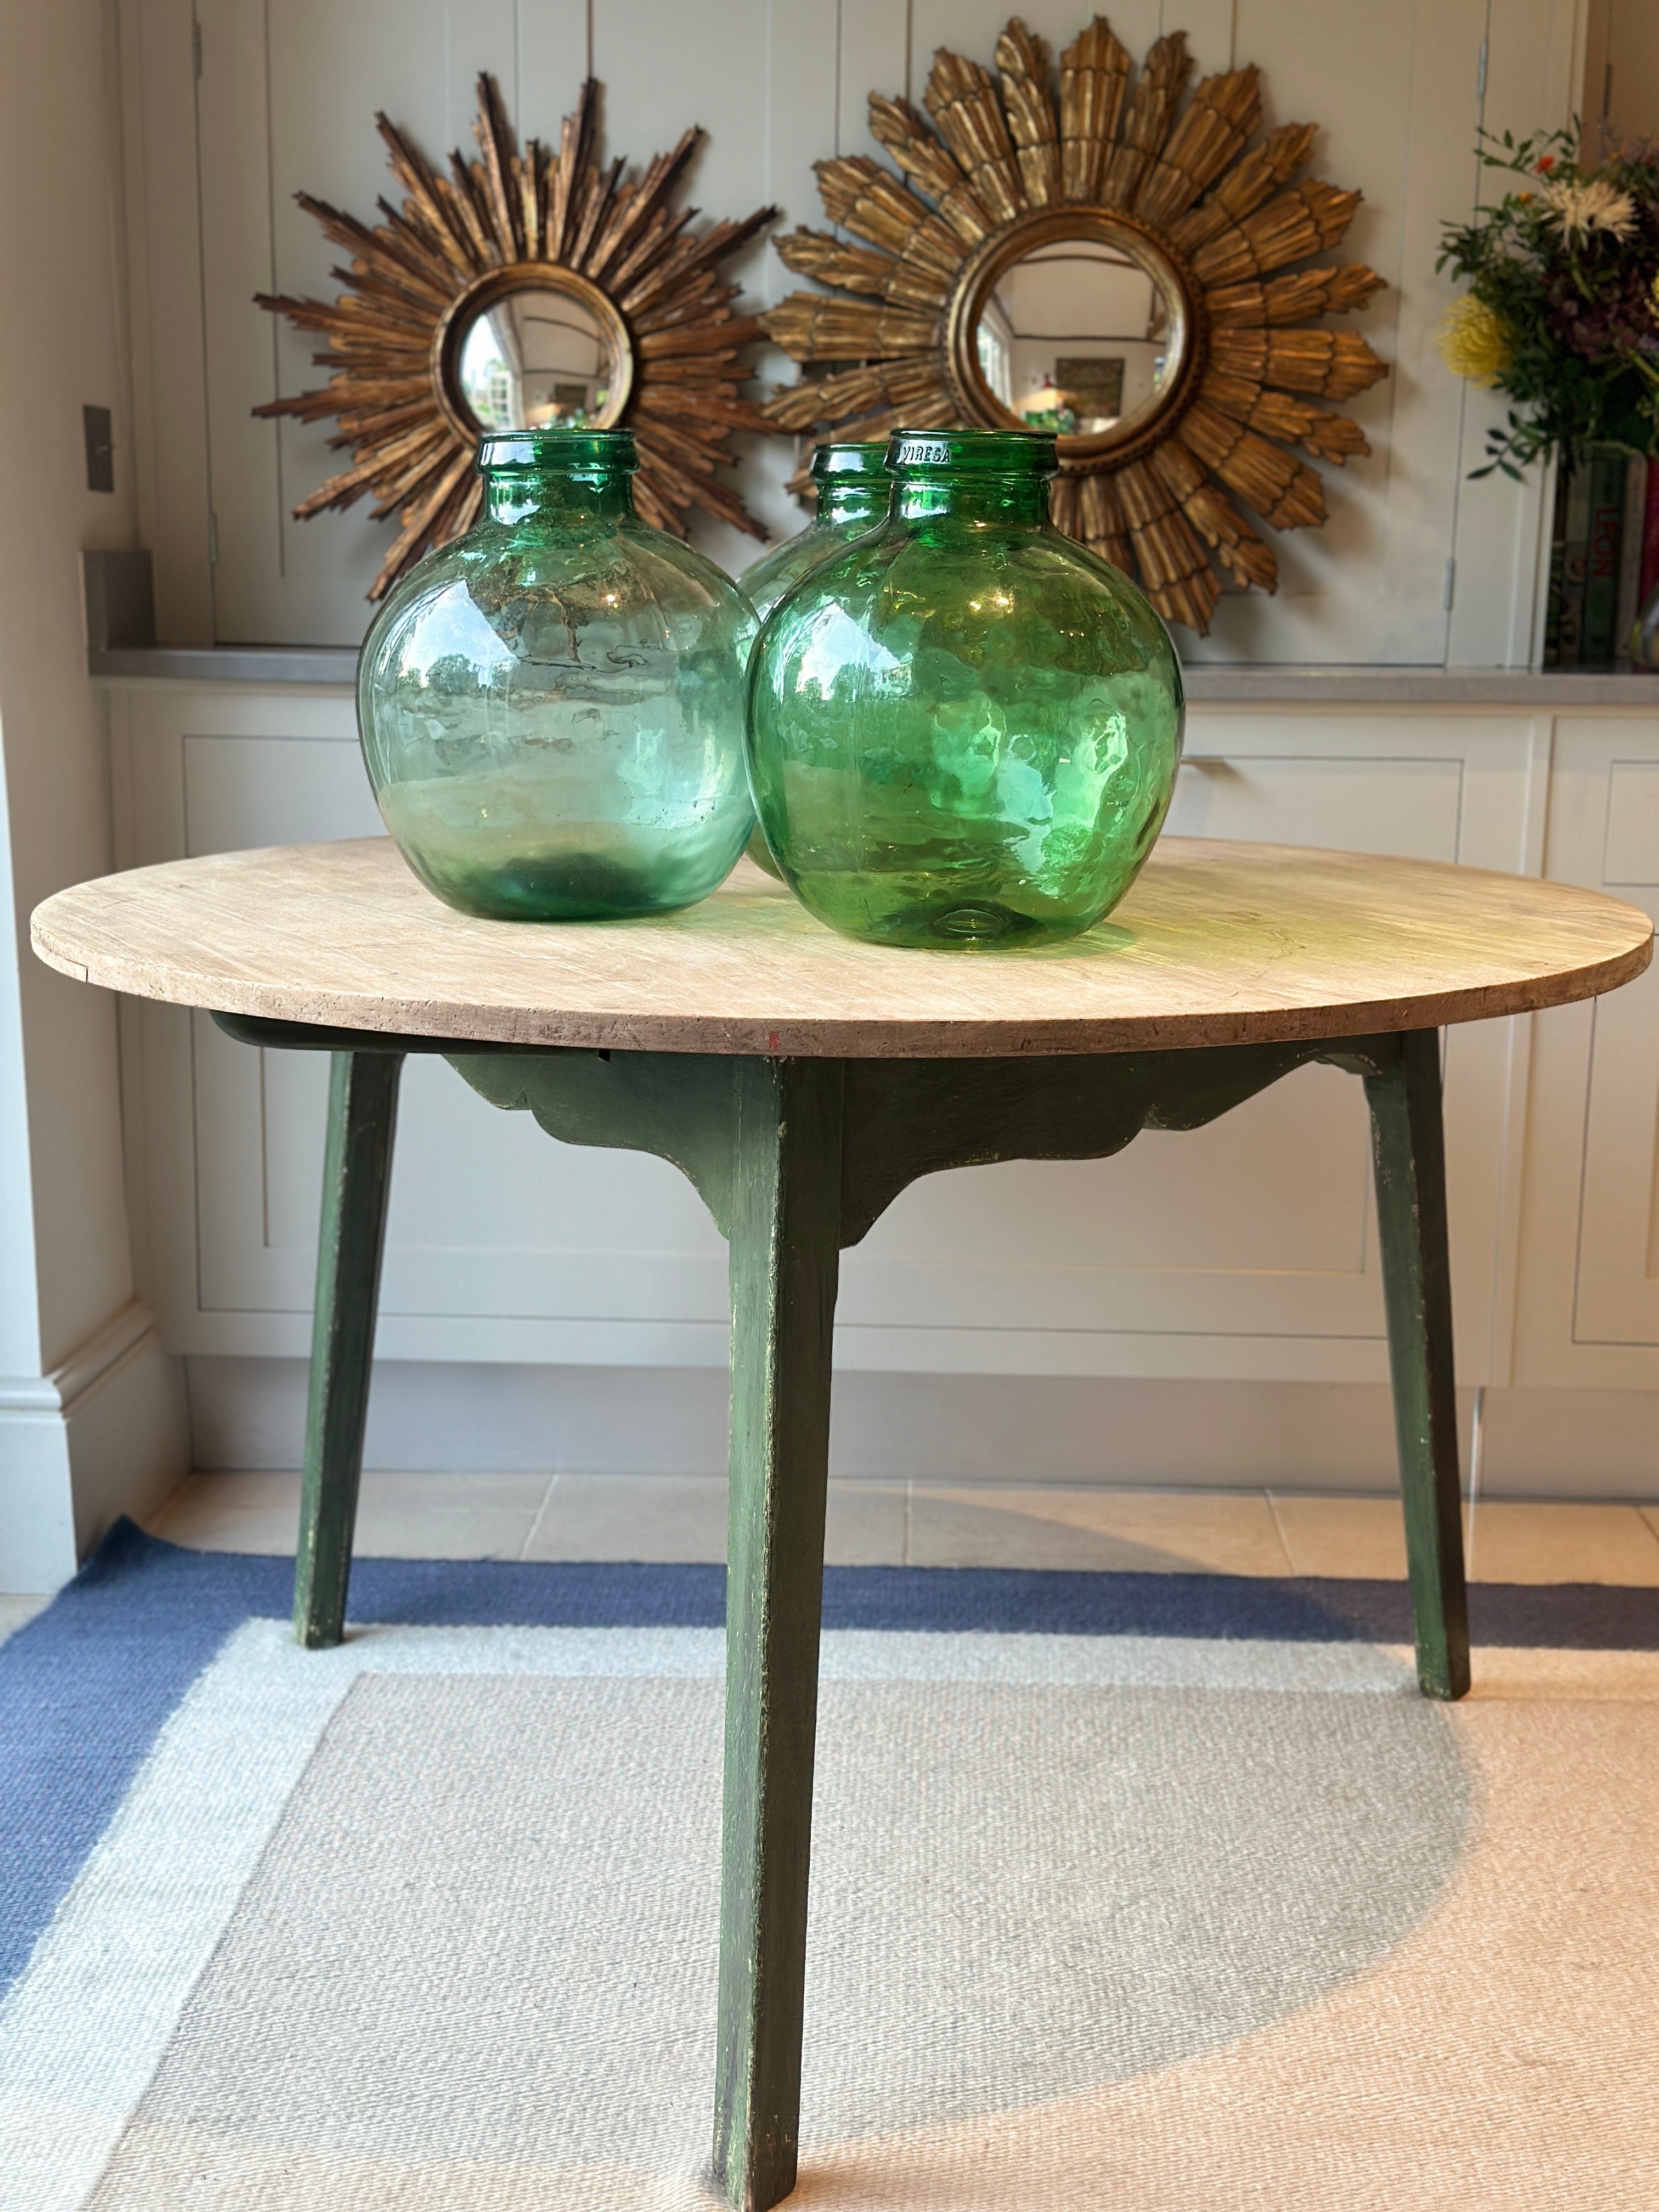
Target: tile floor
{"type": "Point", "coordinates": [610, 1516]}
{"type": "Point", "coordinates": [14, 1611]}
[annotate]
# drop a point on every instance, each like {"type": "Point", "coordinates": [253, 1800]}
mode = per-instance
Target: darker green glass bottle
{"type": "Point", "coordinates": [964, 729]}
{"type": "Point", "coordinates": [853, 490]}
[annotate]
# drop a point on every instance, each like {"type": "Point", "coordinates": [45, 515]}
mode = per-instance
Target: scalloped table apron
{"type": "Point", "coordinates": [801, 1081]}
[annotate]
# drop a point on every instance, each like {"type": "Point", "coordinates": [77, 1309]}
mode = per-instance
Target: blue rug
{"type": "Point", "coordinates": [85, 1687]}
{"type": "Point", "coordinates": [1155, 1825]}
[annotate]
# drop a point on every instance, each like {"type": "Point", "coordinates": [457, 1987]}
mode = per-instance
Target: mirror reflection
{"type": "Point", "coordinates": [536, 360]}
{"type": "Point", "coordinates": [1076, 336]}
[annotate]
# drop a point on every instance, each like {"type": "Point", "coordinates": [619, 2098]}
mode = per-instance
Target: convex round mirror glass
{"type": "Point", "coordinates": [1079, 325]}
{"type": "Point", "coordinates": [534, 350]}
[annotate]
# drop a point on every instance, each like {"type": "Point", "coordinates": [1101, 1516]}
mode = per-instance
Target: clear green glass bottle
{"type": "Point", "coordinates": [551, 706]}
{"type": "Point", "coordinates": [965, 730]}
{"type": "Point", "coordinates": [853, 490]}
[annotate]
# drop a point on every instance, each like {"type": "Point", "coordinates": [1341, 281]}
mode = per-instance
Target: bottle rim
{"type": "Point", "coordinates": [973, 453]}
{"type": "Point", "coordinates": [563, 453]}
{"type": "Point", "coordinates": [846, 458]}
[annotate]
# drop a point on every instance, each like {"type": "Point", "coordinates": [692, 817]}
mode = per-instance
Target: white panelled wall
{"type": "Point", "coordinates": [91, 1414]}
{"type": "Point", "coordinates": [1203, 1309]}
{"type": "Point", "coordinates": [1414, 567]}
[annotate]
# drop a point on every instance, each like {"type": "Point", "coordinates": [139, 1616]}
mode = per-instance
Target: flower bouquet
{"type": "Point", "coordinates": [1562, 312]}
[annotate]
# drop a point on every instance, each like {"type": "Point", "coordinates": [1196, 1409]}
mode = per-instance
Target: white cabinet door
{"type": "Point", "coordinates": [1247, 1248]}
{"type": "Point", "coordinates": [1590, 1312]}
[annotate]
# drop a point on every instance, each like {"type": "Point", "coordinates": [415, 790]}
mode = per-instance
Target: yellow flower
{"type": "Point", "coordinates": [1475, 342]}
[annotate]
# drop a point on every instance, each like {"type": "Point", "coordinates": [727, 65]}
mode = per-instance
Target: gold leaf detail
{"type": "Point", "coordinates": [1094, 75]}
{"type": "Point", "coordinates": [962, 99]}
{"type": "Point", "coordinates": [1147, 125]}
{"type": "Point", "coordinates": [1023, 64]}
{"type": "Point", "coordinates": [810, 327]}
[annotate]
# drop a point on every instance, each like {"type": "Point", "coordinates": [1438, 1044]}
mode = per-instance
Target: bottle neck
{"type": "Point", "coordinates": [1010, 501]}
{"type": "Point", "coordinates": [849, 503]}
{"type": "Point", "coordinates": [575, 499]}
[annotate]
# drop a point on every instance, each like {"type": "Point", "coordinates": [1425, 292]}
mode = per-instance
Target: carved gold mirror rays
{"type": "Point", "coordinates": [524, 291]}
{"type": "Point", "coordinates": [1107, 259]}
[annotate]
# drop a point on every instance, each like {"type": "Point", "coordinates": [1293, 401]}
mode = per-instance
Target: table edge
{"type": "Point", "coordinates": [871, 1038]}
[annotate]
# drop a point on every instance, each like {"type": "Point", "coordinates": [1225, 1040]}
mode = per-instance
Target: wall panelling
{"type": "Point", "coordinates": [285, 98]}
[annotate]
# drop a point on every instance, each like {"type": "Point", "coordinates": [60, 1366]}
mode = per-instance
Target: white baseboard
{"type": "Point", "coordinates": [250, 1413]}
{"type": "Point", "coordinates": [129, 1440]}
{"type": "Point", "coordinates": [37, 1502]}
{"type": "Point", "coordinates": [106, 1433]}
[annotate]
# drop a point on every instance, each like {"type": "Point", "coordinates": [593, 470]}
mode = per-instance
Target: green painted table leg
{"type": "Point", "coordinates": [785, 1234]}
{"type": "Point", "coordinates": [362, 1115]}
{"type": "Point", "coordinates": [1409, 1148]}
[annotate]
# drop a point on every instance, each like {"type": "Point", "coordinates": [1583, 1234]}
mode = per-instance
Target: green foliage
{"type": "Point", "coordinates": [1567, 261]}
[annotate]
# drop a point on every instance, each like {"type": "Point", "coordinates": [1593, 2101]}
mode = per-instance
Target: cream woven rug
{"type": "Point", "coordinates": [1172, 1923]}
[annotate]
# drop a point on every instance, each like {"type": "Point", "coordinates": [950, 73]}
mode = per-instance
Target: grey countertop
{"type": "Point", "coordinates": [1211, 683]}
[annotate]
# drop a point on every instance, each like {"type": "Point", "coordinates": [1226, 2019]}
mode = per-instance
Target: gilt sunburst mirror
{"type": "Point", "coordinates": [1088, 248]}
{"type": "Point", "coordinates": [521, 291]}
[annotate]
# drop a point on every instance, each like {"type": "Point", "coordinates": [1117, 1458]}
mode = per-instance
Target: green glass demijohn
{"type": "Point", "coordinates": [964, 729]}
{"type": "Point", "coordinates": [551, 706]}
{"type": "Point", "coordinates": [853, 490]}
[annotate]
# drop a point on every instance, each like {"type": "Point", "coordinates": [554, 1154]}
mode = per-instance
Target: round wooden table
{"type": "Point", "coordinates": [801, 1081]}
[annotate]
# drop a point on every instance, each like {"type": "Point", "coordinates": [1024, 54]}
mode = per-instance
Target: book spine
{"type": "Point", "coordinates": [1574, 552]}
{"type": "Point", "coordinates": [1607, 522]}
{"type": "Point", "coordinates": [1649, 580]}
{"type": "Point", "coordinates": [1630, 556]}
{"type": "Point", "coordinates": [1557, 567]}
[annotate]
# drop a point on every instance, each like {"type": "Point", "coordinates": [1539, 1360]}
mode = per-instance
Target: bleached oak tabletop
{"type": "Point", "coordinates": [1217, 944]}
